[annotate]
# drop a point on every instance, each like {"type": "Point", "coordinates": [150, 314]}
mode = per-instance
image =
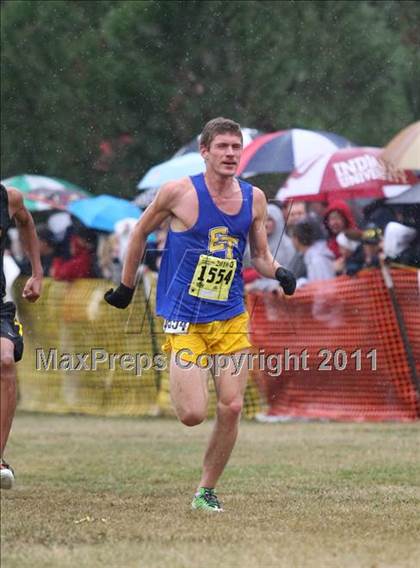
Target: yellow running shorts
{"type": "Point", "coordinates": [218, 337]}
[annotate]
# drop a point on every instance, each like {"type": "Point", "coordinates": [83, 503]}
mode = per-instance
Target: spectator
{"type": "Point", "coordinates": [402, 244]}
{"type": "Point", "coordinates": [81, 263]}
{"type": "Point", "coordinates": [108, 262]}
{"type": "Point", "coordinates": [379, 214]}
{"type": "Point", "coordinates": [372, 246]}
{"type": "Point", "coordinates": [409, 216]}
{"type": "Point", "coordinates": [317, 256]}
{"type": "Point", "coordinates": [154, 251]}
{"type": "Point", "coordinates": [47, 251]}
{"type": "Point", "coordinates": [62, 228]}
{"type": "Point", "coordinates": [123, 230]}
{"type": "Point", "coordinates": [294, 211]}
{"type": "Point", "coordinates": [280, 245]}
{"type": "Point", "coordinates": [338, 218]}
{"type": "Point", "coordinates": [316, 210]}
{"type": "Point", "coordinates": [351, 258]}
{"type": "Point", "coordinates": [111, 249]}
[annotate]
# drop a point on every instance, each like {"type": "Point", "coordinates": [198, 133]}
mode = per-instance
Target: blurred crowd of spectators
{"type": "Point", "coordinates": [317, 241]}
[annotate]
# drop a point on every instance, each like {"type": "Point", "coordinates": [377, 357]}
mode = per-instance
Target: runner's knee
{"type": "Point", "coordinates": [7, 365]}
{"type": "Point", "coordinates": [191, 417]}
{"type": "Point", "coordinates": [231, 409]}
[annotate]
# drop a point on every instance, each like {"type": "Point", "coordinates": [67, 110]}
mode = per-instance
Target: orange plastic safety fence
{"type": "Point", "coordinates": [335, 351]}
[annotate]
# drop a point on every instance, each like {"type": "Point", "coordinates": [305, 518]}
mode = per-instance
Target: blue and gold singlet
{"type": "Point", "coordinates": [200, 277]}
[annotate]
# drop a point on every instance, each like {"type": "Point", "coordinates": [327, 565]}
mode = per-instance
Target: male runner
{"type": "Point", "coordinates": [200, 287]}
{"type": "Point", "coordinates": [11, 206]}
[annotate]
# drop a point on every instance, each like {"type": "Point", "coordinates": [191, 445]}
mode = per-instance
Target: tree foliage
{"type": "Point", "coordinates": [98, 91]}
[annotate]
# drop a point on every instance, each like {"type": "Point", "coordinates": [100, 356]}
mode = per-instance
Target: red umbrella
{"type": "Point", "coordinates": [347, 173]}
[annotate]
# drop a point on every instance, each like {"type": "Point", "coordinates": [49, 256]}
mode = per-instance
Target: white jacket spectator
{"type": "Point", "coordinates": [318, 258]}
{"type": "Point", "coordinates": [397, 238]}
{"type": "Point", "coordinates": [319, 261]}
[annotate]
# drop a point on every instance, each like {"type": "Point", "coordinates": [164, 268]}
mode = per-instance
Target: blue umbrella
{"type": "Point", "coordinates": [187, 165]}
{"type": "Point", "coordinates": [103, 212]}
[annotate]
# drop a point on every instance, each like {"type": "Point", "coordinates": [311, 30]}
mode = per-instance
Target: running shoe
{"type": "Point", "coordinates": [206, 500]}
{"type": "Point", "coordinates": [7, 476]}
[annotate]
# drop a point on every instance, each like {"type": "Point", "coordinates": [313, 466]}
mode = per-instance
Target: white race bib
{"type": "Point", "coordinates": [179, 327]}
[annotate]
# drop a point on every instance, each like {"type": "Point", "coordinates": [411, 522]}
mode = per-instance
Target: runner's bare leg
{"type": "Point", "coordinates": [230, 394]}
{"type": "Point", "coordinates": [189, 392]}
{"type": "Point", "coordinates": [7, 390]}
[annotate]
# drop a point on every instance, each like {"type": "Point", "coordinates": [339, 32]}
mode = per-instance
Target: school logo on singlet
{"type": "Point", "coordinates": [220, 240]}
{"type": "Point", "coordinates": [213, 276]}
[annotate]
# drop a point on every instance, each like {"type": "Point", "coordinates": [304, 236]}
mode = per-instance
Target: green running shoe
{"type": "Point", "coordinates": [206, 500]}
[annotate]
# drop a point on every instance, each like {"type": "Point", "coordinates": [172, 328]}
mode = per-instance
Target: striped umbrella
{"type": "Point", "coordinates": [45, 193]}
{"type": "Point", "coordinates": [284, 150]}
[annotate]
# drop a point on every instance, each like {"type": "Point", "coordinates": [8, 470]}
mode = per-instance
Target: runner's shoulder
{"type": "Point", "coordinates": [259, 198]}
{"type": "Point", "coordinates": [258, 194]}
{"type": "Point", "coordinates": [174, 192]}
{"type": "Point", "coordinates": [15, 199]}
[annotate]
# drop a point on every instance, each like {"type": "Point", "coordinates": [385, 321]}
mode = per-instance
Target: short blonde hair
{"type": "Point", "coordinates": [217, 126]}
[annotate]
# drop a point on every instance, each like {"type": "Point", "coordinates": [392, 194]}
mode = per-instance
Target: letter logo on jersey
{"type": "Point", "coordinates": [220, 240]}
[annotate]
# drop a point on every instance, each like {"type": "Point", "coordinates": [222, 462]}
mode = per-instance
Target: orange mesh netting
{"type": "Point", "coordinates": [349, 359]}
{"type": "Point", "coordinates": [333, 334]}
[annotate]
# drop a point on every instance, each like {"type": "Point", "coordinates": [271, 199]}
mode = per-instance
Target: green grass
{"type": "Point", "coordinates": [116, 491]}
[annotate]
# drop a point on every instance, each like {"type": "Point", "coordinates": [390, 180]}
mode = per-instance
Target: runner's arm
{"type": "Point", "coordinates": [261, 256]}
{"type": "Point", "coordinates": [27, 232]}
{"type": "Point", "coordinates": [159, 210]}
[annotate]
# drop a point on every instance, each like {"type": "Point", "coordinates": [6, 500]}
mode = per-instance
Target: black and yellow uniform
{"type": "Point", "coordinates": [10, 328]}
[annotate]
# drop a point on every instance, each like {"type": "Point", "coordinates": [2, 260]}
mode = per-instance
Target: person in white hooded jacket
{"type": "Point", "coordinates": [318, 258]}
{"type": "Point", "coordinates": [280, 245]}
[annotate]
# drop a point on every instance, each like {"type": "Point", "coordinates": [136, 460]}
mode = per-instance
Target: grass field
{"type": "Point", "coordinates": [116, 492]}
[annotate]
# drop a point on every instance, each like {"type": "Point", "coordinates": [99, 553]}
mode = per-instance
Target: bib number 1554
{"type": "Point", "coordinates": [212, 278]}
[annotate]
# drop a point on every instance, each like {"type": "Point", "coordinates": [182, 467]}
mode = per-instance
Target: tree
{"type": "Point", "coordinates": [98, 91]}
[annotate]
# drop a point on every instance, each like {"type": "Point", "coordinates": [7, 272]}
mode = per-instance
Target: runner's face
{"type": "Point", "coordinates": [224, 154]}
